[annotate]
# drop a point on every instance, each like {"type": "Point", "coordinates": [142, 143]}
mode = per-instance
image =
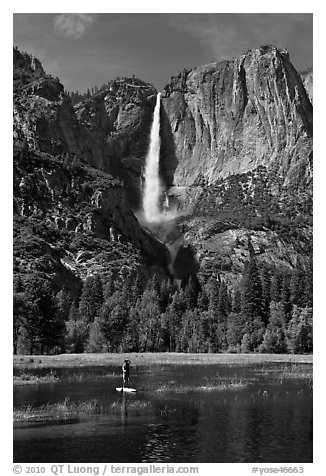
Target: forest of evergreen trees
{"type": "Point", "coordinates": [269, 311]}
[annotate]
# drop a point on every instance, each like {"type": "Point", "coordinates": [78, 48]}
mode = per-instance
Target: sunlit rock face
{"type": "Point", "coordinates": [28, 63]}
{"type": "Point", "coordinates": [235, 160]}
{"type": "Point", "coordinates": [307, 79]}
{"type": "Point", "coordinates": [71, 219]}
{"type": "Point", "coordinates": [231, 117]}
{"type": "Point", "coordinates": [43, 114]}
{"type": "Point", "coordinates": [109, 130]}
{"type": "Point", "coordinates": [117, 121]}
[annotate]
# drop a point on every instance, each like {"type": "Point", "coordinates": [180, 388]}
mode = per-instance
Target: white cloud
{"type": "Point", "coordinates": [73, 25]}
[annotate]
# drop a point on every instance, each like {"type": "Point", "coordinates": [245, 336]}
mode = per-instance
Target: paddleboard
{"type": "Point", "coordinates": [126, 389]}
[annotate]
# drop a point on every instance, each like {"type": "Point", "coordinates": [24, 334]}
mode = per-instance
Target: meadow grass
{"type": "Point", "coordinates": [56, 411]}
{"type": "Point", "coordinates": [136, 407]}
{"type": "Point", "coordinates": [28, 376]}
{"type": "Point", "coordinates": [278, 370]}
{"type": "Point", "coordinates": [68, 410]}
{"type": "Point", "coordinates": [216, 384]}
{"type": "Point", "coordinates": [77, 367]}
{"type": "Point", "coordinates": [143, 359]}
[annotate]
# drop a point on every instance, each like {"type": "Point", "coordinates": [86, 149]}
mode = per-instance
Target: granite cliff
{"type": "Point", "coordinates": [232, 117]}
{"type": "Point", "coordinates": [237, 141]}
{"type": "Point", "coordinates": [236, 160]}
{"type": "Point", "coordinates": [119, 118]}
{"type": "Point", "coordinates": [307, 79]}
{"type": "Point", "coordinates": [71, 220]}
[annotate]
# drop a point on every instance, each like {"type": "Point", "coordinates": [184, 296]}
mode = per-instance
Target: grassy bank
{"type": "Point", "coordinates": [78, 367]}
{"type": "Point", "coordinates": [68, 410]}
{"type": "Point", "coordinates": [89, 360]}
{"type": "Point", "coordinates": [235, 381]}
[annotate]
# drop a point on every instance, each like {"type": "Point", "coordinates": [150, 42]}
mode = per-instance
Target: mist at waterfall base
{"type": "Point", "coordinates": [156, 213]}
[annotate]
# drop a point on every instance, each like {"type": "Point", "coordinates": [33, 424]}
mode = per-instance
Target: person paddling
{"type": "Point", "coordinates": [125, 372]}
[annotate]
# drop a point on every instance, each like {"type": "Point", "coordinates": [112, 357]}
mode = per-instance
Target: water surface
{"type": "Point", "coordinates": [194, 413]}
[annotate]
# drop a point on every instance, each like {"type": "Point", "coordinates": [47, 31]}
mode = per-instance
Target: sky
{"type": "Point", "coordinates": [88, 49]}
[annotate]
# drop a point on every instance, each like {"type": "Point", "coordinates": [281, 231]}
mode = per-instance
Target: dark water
{"type": "Point", "coordinates": [257, 414]}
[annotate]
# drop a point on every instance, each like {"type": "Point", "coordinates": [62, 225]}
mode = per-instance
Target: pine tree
{"type": "Point", "coordinates": [173, 317]}
{"type": "Point", "coordinates": [63, 303]}
{"type": "Point", "coordinates": [43, 326]}
{"type": "Point", "coordinates": [299, 331]}
{"type": "Point", "coordinates": [297, 285]}
{"type": "Point", "coordinates": [19, 314]}
{"type": "Point", "coordinates": [236, 301]}
{"type": "Point", "coordinates": [212, 288]}
{"type": "Point", "coordinates": [114, 317]}
{"type": "Point", "coordinates": [165, 295]}
{"type": "Point", "coordinates": [190, 338]}
{"type": "Point", "coordinates": [266, 294]}
{"type": "Point", "coordinates": [251, 302]}
{"type": "Point", "coordinates": [202, 301]}
{"type": "Point", "coordinates": [308, 283]}
{"type": "Point", "coordinates": [76, 331]}
{"type": "Point", "coordinates": [222, 311]}
{"type": "Point", "coordinates": [132, 335]}
{"type": "Point", "coordinates": [19, 310]}
{"type": "Point", "coordinates": [51, 324]}
{"type": "Point", "coordinates": [237, 327]}
{"type": "Point", "coordinates": [154, 285]}
{"type": "Point", "coordinates": [252, 299]}
{"type": "Point", "coordinates": [274, 337]}
{"type": "Point", "coordinates": [30, 326]}
{"type": "Point", "coordinates": [276, 286]}
{"type": "Point", "coordinates": [126, 290]}
{"type": "Point", "coordinates": [286, 297]}
{"type": "Point", "coordinates": [91, 298]}
{"type": "Point", "coordinates": [150, 332]}
{"type": "Point", "coordinates": [206, 335]}
{"type": "Point", "coordinates": [223, 305]}
{"type": "Point", "coordinates": [137, 288]}
{"type": "Point", "coordinates": [191, 292]}
{"type": "Point", "coordinates": [96, 340]}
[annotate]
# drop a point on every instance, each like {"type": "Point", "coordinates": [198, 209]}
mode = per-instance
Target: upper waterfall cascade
{"type": "Point", "coordinates": [153, 187]}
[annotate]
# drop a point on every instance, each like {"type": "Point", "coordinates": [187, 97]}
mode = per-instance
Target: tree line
{"type": "Point", "coordinates": [270, 311]}
{"type": "Point", "coordinates": [76, 96]}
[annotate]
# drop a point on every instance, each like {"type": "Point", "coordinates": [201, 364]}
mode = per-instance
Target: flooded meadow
{"type": "Point", "coordinates": [203, 408]}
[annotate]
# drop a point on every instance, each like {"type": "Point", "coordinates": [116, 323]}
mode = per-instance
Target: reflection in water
{"type": "Point", "coordinates": [262, 422]}
{"type": "Point", "coordinates": [124, 409]}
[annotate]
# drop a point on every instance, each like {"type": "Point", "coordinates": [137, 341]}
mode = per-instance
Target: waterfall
{"type": "Point", "coordinates": [153, 186]}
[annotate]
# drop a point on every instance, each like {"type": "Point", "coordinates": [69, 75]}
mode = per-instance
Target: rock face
{"type": "Point", "coordinates": [109, 131]}
{"type": "Point", "coordinates": [71, 219]}
{"type": "Point", "coordinates": [277, 217]}
{"type": "Point", "coordinates": [307, 79]}
{"type": "Point", "coordinates": [236, 159]}
{"type": "Point", "coordinates": [119, 120]}
{"type": "Point", "coordinates": [237, 146]}
{"type": "Point", "coordinates": [26, 66]}
{"type": "Point", "coordinates": [43, 114]}
{"type": "Point", "coordinates": [231, 117]}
